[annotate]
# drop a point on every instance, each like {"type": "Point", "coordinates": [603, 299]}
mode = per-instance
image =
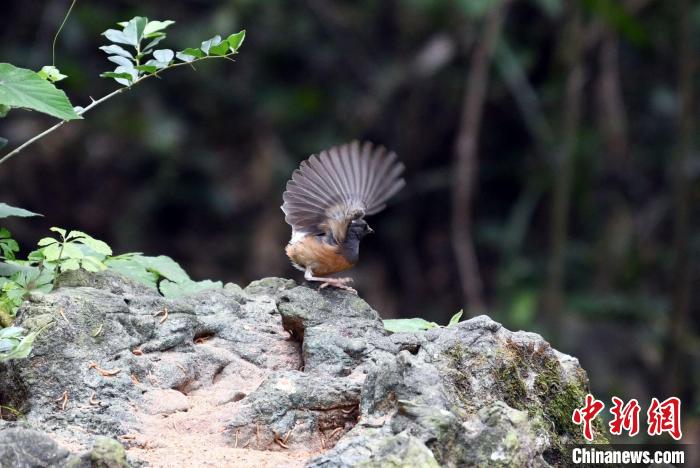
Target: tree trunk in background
{"type": "Point", "coordinates": [616, 233]}
{"type": "Point", "coordinates": [466, 161]}
{"type": "Point", "coordinates": [563, 166]}
{"type": "Point", "coordinates": [613, 118]}
{"type": "Point", "coordinates": [680, 304]}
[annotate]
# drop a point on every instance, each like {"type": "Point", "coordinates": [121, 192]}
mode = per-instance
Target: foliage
{"type": "Point", "coordinates": [131, 65]}
{"type": "Point", "coordinates": [51, 73]}
{"type": "Point", "coordinates": [143, 36]}
{"type": "Point", "coordinates": [412, 325]}
{"type": "Point", "coordinates": [161, 273]}
{"type": "Point", "coordinates": [15, 346]}
{"type": "Point", "coordinates": [6, 211]}
{"type": "Point", "coordinates": [8, 246]}
{"type": "Point", "coordinates": [27, 89]}
{"type": "Point", "coordinates": [14, 289]}
{"type": "Point", "coordinates": [24, 88]}
{"type": "Point", "coordinates": [70, 251]}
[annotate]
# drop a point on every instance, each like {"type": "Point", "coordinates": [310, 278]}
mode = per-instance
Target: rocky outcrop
{"type": "Point", "coordinates": [276, 367]}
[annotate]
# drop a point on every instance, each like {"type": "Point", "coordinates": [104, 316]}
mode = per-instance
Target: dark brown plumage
{"type": "Point", "coordinates": [326, 202]}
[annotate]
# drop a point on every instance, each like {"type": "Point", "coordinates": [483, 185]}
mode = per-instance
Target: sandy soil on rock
{"type": "Point", "coordinates": [198, 450]}
{"type": "Point", "coordinates": [189, 429]}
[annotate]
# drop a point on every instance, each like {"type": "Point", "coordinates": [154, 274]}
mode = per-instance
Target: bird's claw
{"type": "Point", "coordinates": [340, 283]}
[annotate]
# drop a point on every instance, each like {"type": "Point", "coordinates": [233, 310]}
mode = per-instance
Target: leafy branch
{"type": "Point", "coordinates": [26, 89]}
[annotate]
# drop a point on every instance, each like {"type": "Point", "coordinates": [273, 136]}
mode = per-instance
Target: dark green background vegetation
{"type": "Point", "coordinates": [584, 200]}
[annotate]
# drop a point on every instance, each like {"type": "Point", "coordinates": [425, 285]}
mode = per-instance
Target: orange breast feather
{"type": "Point", "coordinates": [323, 259]}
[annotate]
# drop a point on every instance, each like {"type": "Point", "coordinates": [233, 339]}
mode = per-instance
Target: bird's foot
{"type": "Point", "coordinates": [340, 283]}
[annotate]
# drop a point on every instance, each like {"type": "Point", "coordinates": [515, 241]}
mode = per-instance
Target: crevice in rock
{"type": "Point", "coordinates": [202, 337]}
{"type": "Point", "coordinates": [218, 374]}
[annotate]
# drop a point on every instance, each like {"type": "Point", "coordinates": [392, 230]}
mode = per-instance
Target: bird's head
{"type": "Point", "coordinates": [358, 229]}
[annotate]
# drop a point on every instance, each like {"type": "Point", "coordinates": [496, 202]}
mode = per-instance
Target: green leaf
{"type": "Point", "coordinates": [58, 230]}
{"type": "Point", "coordinates": [236, 40]}
{"type": "Point", "coordinates": [455, 318]}
{"type": "Point", "coordinates": [163, 55]}
{"type": "Point", "coordinates": [90, 263]}
{"type": "Point", "coordinates": [96, 245]}
{"type": "Point", "coordinates": [123, 75]}
{"type": "Point", "coordinates": [128, 77]}
{"type": "Point", "coordinates": [164, 266]}
{"type": "Point", "coordinates": [8, 246]}
{"type": "Point", "coordinates": [208, 44]}
{"type": "Point", "coordinates": [26, 281]}
{"type": "Point", "coordinates": [128, 266]}
{"type": "Point", "coordinates": [408, 325]}
{"type": "Point", "coordinates": [158, 65]}
{"type": "Point", "coordinates": [20, 87]}
{"type": "Point", "coordinates": [133, 31]}
{"type": "Point", "coordinates": [117, 50]}
{"type": "Point", "coordinates": [172, 289]}
{"type": "Point", "coordinates": [117, 36]}
{"type": "Point", "coordinates": [6, 211]}
{"type": "Point", "coordinates": [51, 73]}
{"type": "Point", "coordinates": [147, 68]}
{"type": "Point", "coordinates": [9, 269]}
{"type": "Point", "coordinates": [71, 250]}
{"type": "Point", "coordinates": [190, 54]}
{"type": "Point", "coordinates": [3, 142]}
{"type": "Point", "coordinates": [122, 61]}
{"type": "Point", "coordinates": [22, 349]}
{"type": "Point", "coordinates": [155, 26]}
{"type": "Point", "coordinates": [4, 110]}
{"type": "Point", "coordinates": [70, 264]}
{"type": "Point", "coordinates": [11, 332]}
{"type": "Point", "coordinates": [220, 49]}
{"type": "Point", "coordinates": [51, 252]}
{"type": "Point", "coordinates": [47, 241]}
{"type": "Point", "coordinates": [156, 40]}
{"type": "Point", "coordinates": [36, 256]}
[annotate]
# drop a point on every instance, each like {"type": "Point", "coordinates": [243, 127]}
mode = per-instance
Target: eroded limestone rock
{"type": "Point", "coordinates": [276, 366]}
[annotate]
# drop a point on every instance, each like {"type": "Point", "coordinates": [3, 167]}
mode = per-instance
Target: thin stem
{"type": "Point", "coordinates": [94, 104]}
{"type": "Point", "coordinates": [60, 28]}
{"type": "Point", "coordinates": [58, 262]}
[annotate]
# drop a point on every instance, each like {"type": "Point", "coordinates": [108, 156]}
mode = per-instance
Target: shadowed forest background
{"type": "Point", "coordinates": [551, 153]}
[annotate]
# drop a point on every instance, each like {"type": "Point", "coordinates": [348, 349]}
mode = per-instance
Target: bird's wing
{"type": "Point", "coordinates": [341, 184]}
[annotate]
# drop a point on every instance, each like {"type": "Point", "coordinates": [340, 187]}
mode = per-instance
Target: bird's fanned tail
{"type": "Point", "coordinates": [341, 184]}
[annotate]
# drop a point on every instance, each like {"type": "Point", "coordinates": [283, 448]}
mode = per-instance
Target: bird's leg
{"type": "Point", "coordinates": [340, 283]}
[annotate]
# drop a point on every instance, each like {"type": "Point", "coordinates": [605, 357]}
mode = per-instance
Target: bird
{"type": "Point", "coordinates": [326, 201]}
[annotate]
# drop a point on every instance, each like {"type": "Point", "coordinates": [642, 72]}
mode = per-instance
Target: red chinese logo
{"type": "Point", "coordinates": [625, 417]}
{"type": "Point", "coordinates": [662, 417]}
{"type": "Point", "coordinates": [665, 417]}
{"type": "Point", "coordinates": [587, 414]}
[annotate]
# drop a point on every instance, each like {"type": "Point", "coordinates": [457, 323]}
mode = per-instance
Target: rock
{"type": "Point", "coordinates": [108, 453]}
{"type": "Point", "coordinates": [26, 448]}
{"type": "Point", "coordinates": [278, 367]}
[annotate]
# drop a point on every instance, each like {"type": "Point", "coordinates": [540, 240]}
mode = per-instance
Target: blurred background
{"type": "Point", "coordinates": [550, 145]}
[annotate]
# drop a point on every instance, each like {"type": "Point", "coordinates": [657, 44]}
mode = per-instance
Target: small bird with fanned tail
{"type": "Point", "coordinates": [326, 202]}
